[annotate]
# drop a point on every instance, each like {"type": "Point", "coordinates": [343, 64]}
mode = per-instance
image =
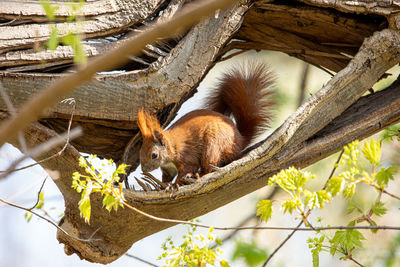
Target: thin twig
{"type": "Point", "coordinates": [70, 100]}
{"type": "Point", "coordinates": [48, 220]}
{"type": "Point", "coordinates": [384, 191]}
{"type": "Point", "coordinates": [42, 148]}
{"type": "Point", "coordinates": [139, 259]}
{"type": "Point", "coordinates": [303, 83]}
{"type": "Point", "coordinates": [334, 169]}
{"type": "Point", "coordinates": [38, 195]}
{"type": "Point", "coordinates": [283, 243]}
{"type": "Point", "coordinates": [369, 227]}
{"type": "Point", "coordinates": [248, 218]}
{"type": "Point", "coordinates": [8, 22]}
{"type": "Point", "coordinates": [353, 260]}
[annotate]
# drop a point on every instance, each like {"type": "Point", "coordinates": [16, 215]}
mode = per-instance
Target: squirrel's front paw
{"type": "Point", "coordinates": [188, 178]}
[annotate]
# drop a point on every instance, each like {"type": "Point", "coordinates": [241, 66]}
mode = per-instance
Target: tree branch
{"type": "Point", "coordinates": [49, 221]}
{"type": "Point", "coordinates": [189, 15]}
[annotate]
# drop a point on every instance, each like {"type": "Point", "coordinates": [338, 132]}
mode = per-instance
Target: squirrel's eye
{"type": "Point", "coordinates": [154, 155]}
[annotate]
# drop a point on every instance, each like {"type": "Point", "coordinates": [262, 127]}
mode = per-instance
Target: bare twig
{"type": "Point", "coordinates": [303, 83]}
{"type": "Point", "coordinates": [353, 260]}
{"type": "Point", "coordinates": [69, 101]}
{"type": "Point", "coordinates": [369, 227]}
{"type": "Point", "coordinates": [42, 148]}
{"type": "Point", "coordinates": [38, 195]}
{"type": "Point", "coordinates": [189, 15]}
{"type": "Point", "coordinates": [283, 243]}
{"type": "Point", "coordinates": [48, 220]}
{"type": "Point", "coordinates": [334, 169]}
{"type": "Point", "coordinates": [141, 260]}
{"type": "Point", "coordinates": [384, 191]}
{"type": "Point", "coordinates": [250, 217]}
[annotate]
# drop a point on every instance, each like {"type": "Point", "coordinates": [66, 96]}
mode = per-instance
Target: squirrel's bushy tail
{"type": "Point", "coordinates": [243, 92]}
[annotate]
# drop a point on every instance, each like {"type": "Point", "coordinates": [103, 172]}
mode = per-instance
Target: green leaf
{"type": "Point", "coordinates": [49, 9]}
{"type": "Point", "coordinates": [110, 202]}
{"type": "Point", "coordinates": [85, 209]}
{"type": "Point", "coordinates": [290, 179]}
{"type": "Point", "coordinates": [28, 216]}
{"type": "Point", "coordinates": [350, 154]}
{"type": "Point", "coordinates": [372, 152]}
{"type": "Point", "coordinates": [264, 209]}
{"type": "Point", "coordinates": [224, 263]}
{"type": "Point", "coordinates": [384, 175]}
{"type": "Point", "coordinates": [388, 133]}
{"type": "Point", "coordinates": [322, 198]}
{"type": "Point", "coordinates": [250, 253]}
{"type": "Point", "coordinates": [350, 207]}
{"type": "Point", "coordinates": [315, 244]}
{"type": "Point", "coordinates": [40, 203]}
{"type": "Point", "coordinates": [335, 185]}
{"type": "Point", "coordinates": [315, 258]}
{"type": "Point", "coordinates": [349, 190]}
{"type": "Point", "coordinates": [349, 239]}
{"type": "Point", "coordinates": [52, 43]}
{"type": "Point", "coordinates": [289, 205]}
{"type": "Point", "coordinates": [316, 199]}
{"type": "Point", "coordinates": [378, 208]}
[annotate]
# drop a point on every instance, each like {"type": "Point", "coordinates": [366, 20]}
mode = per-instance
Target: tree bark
{"type": "Point", "coordinates": [358, 40]}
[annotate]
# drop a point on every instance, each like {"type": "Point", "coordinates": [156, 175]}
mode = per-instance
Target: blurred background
{"type": "Point", "coordinates": [34, 243]}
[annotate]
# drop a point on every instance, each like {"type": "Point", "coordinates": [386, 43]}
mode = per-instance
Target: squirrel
{"type": "Point", "coordinates": [205, 139]}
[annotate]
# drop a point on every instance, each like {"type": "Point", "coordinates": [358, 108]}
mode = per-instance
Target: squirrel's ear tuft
{"type": "Point", "coordinates": [159, 137]}
{"type": "Point", "coordinates": [141, 122]}
{"type": "Point", "coordinates": [148, 124]}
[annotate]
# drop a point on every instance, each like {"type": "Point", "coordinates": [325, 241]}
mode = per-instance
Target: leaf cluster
{"type": "Point", "coordinates": [98, 181]}
{"type": "Point", "coordinates": [73, 37]}
{"type": "Point", "coordinates": [303, 201]}
{"type": "Point", "coordinates": [292, 181]}
{"type": "Point", "coordinates": [195, 250]}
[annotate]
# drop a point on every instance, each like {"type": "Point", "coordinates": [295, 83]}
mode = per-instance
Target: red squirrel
{"type": "Point", "coordinates": [205, 139]}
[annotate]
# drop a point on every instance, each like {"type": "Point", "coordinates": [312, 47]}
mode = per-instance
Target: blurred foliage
{"type": "Point", "coordinates": [72, 38]}
{"type": "Point", "coordinates": [250, 253]}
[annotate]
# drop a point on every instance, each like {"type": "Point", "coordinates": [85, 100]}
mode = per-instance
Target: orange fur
{"type": "Point", "coordinates": [207, 138]}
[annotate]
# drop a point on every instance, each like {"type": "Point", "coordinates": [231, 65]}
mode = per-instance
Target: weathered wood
{"type": "Point", "coordinates": [117, 97]}
{"type": "Point", "coordinates": [323, 37]}
{"type": "Point", "coordinates": [251, 172]}
{"type": "Point", "coordinates": [102, 18]}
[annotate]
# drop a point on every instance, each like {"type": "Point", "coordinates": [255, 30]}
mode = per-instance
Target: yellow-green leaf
{"type": "Point", "coordinates": [264, 210]}
{"type": "Point", "coordinates": [372, 152]}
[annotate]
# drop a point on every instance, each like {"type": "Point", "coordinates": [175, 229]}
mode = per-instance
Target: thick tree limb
{"type": "Point", "coordinates": [251, 172]}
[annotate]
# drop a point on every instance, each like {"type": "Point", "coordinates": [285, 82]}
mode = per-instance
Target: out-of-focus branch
{"type": "Point", "coordinates": [49, 221]}
{"type": "Point", "coordinates": [43, 147]}
{"type": "Point", "coordinates": [13, 112]}
{"type": "Point", "coordinates": [70, 101]}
